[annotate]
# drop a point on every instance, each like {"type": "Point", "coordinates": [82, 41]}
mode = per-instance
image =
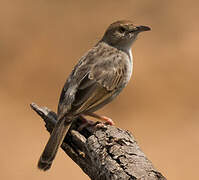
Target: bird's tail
{"type": "Point", "coordinates": [54, 142]}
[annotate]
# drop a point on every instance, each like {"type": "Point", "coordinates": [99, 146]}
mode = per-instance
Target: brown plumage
{"type": "Point", "coordinates": [97, 79]}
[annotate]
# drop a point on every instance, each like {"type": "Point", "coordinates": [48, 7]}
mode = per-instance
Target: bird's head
{"type": "Point", "coordinates": [122, 34]}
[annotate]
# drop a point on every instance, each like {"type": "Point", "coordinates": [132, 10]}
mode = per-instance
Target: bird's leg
{"type": "Point", "coordinates": [87, 122]}
{"type": "Point", "coordinates": [104, 118]}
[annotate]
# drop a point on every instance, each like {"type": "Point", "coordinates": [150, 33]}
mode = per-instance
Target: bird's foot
{"type": "Point", "coordinates": [107, 120]}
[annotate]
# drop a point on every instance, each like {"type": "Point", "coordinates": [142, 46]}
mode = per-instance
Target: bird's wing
{"type": "Point", "coordinates": [93, 82]}
{"type": "Point", "coordinates": [70, 88]}
{"type": "Point", "coordinates": [98, 86]}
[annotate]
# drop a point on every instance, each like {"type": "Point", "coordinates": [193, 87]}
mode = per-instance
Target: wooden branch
{"type": "Point", "coordinates": [102, 151]}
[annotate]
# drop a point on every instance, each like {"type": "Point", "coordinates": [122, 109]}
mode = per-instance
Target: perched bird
{"type": "Point", "coordinates": [97, 79]}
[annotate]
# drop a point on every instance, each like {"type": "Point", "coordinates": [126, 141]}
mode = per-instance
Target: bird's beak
{"type": "Point", "coordinates": [142, 28]}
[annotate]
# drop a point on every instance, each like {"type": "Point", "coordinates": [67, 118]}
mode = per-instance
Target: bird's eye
{"type": "Point", "coordinates": [122, 29]}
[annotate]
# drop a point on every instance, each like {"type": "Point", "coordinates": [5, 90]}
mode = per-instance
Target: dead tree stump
{"type": "Point", "coordinates": [103, 152]}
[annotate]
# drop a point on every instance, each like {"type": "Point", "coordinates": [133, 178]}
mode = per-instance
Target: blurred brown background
{"type": "Point", "coordinates": [40, 42]}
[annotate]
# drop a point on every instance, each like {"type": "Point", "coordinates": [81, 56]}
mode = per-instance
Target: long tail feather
{"type": "Point", "coordinates": [53, 144]}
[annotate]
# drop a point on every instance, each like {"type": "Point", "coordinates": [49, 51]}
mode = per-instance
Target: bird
{"type": "Point", "coordinates": [98, 77]}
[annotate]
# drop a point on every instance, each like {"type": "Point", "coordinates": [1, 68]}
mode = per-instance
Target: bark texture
{"type": "Point", "coordinates": [102, 151]}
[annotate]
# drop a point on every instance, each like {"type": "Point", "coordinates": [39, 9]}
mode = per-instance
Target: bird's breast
{"type": "Point", "coordinates": [129, 70]}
